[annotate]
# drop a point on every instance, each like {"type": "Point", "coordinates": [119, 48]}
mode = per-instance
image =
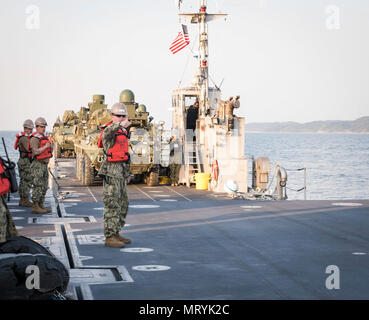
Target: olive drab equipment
{"type": "Point", "coordinates": [47, 153]}
{"type": "Point", "coordinates": [119, 152]}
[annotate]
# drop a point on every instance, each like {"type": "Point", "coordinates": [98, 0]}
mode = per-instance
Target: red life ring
{"type": "Point", "coordinates": [214, 170]}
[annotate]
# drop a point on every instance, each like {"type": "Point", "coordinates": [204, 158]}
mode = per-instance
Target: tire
{"type": "Point", "coordinates": [88, 171]}
{"type": "Point", "coordinates": [57, 150]}
{"type": "Point", "coordinates": [152, 179]}
{"type": "Point", "coordinates": [137, 178]}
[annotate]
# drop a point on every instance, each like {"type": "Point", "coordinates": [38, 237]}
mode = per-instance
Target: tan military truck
{"type": "Point", "coordinates": [146, 143]}
{"type": "Point", "coordinates": [63, 135]}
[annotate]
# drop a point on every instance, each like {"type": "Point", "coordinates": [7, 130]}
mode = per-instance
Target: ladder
{"type": "Point", "coordinates": [191, 160]}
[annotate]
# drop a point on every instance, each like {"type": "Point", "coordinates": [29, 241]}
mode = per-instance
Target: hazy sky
{"type": "Point", "coordinates": [281, 56]}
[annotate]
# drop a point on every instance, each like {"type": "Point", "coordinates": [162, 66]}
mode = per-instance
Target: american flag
{"type": "Point", "coordinates": [181, 41]}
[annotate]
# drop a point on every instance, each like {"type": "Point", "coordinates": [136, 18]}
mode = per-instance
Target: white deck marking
{"type": "Point", "coordinates": [17, 210]}
{"type": "Point", "coordinates": [178, 193]}
{"type": "Point", "coordinates": [150, 267]}
{"type": "Point", "coordinates": [18, 218]}
{"type": "Point", "coordinates": [92, 194]}
{"type": "Point", "coordinates": [87, 239]}
{"type": "Point", "coordinates": [71, 200]}
{"type": "Point", "coordinates": [169, 200]}
{"type": "Point", "coordinates": [70, 205]}
{"type": "Point", "coordinates": [347, 204]}
{"type": "Point", "coordinates": [144, 206]}
{"type": "Point", "coordinates": [136, 250]}
{"type": "Point", "coordinates": [359, 253]}
{"type": "Point", "coordinates": [76, 194]}
{"type": "Point", "coordinates": [18, 227]}
{"type": "Point", "coordinates": [162, 195]}
{"type": "Point", "coordinates": [144, 193]}
{"type": "Point", "coordinates": [156, 191]}
{"type": "Point", "coordinates": [251, 207]}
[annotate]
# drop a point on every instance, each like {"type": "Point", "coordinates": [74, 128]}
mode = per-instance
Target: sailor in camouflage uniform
{"type": "Point", "coordinates": [7, 227]}
{"type": "Point", "coordinates": [116, 175]}
{"type": "Point", "coordinates": [22, 144]}
{"type": "Point", "coordinates": [42, 152]}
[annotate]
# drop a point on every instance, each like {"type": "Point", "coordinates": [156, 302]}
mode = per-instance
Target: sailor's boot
{"type": "Point", "coordinates": [44, 208]}
{"type": "Point", "coordinates": [125, 240]}
{"type": "Point", "coordinates": [24, 202]}
{"type": "Point", "coordinates": [114, 242]}
{"type": "Point", "coordinates": [37, 209]}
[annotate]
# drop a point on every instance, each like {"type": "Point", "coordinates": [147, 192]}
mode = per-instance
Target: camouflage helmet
{"type": "Point", "coordinates": [119, 109]}
{"type": "Point", "coordinates": [28, 124]}
{"type": "Point", "coordinates": [40, 122]}
{"type": "Point", "coordinates": [127, 96]}
{"type": "Point", "coordinates": [141, 108]}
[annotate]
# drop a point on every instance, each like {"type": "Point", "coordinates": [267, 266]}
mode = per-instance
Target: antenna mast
{"type": "Point", "coordinates": [202, 18]}
{"type": "Point", "coordinates": [203, 59]}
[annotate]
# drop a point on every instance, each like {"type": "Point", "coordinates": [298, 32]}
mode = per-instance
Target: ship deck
{"type": "Point", "coordinates": [189, 244]}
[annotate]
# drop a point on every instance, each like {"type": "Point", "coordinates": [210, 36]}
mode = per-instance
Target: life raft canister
{"type": "Point", "coordinates": [4, 181]}
{"type": "Point", "coordinates": [47, 153]}
{"type": "Point", "coordinates": [119, 151]}
{"type": "Point", "coordinates": [16, 144]}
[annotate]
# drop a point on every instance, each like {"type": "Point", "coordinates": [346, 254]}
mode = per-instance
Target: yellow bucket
{"type": "Point", "coordinates": [164, 180]}
{"type": "Point", "coordinates": [202, 181]}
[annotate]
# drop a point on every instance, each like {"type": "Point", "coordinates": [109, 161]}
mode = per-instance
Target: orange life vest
{"type": "Point", "coordinates": [4, 181]}
{"type": "Point", "coordinates": [119, 151]}
{"type": "Point", "coordinates": [47, 153]}
{"type": "Point", "coordinates": [16, 144]}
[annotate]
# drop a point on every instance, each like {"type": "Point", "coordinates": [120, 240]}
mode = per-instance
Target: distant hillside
{"type": "Point", "coordinates": [360, 125]}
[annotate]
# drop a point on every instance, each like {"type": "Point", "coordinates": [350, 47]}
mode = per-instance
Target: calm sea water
{"type": "Point", "coordinates": [337, 164]}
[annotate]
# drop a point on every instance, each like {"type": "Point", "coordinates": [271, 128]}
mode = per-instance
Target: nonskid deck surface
{"type": "Point", "coordinates": [188, 244]}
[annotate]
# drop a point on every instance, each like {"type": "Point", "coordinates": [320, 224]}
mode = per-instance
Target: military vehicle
{"type": "Point", "coordinates": [86, 135]}
{"type": "Point", "coordinates": [148, 141]}
{"type": "Point", "coordinates": [63, 135]}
